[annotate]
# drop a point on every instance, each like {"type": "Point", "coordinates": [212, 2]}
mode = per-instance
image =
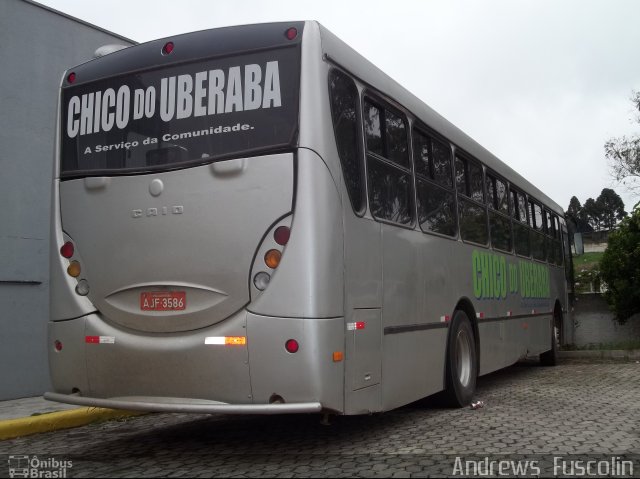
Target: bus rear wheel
{"type": "Point", "coordinates": [550, 358]}
{"type": "Point", "coordinates": [462, 365]}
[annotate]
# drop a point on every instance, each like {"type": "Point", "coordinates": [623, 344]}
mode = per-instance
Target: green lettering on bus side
{"type": "Point", "coordinates": [491, 275]}
{"type": "Point", "coordinates": [494, 278]}
{"type": "Point", "coordinates": [486, 279]}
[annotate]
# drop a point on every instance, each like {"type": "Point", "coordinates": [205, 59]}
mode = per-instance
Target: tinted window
{"type": "Point", "coordinates": [436, 208]}
{"type": "Point", "coordinates": [441, 163]}
{"type": "Point", "coordinates": [432, 158]}
{"type": "Point", "coordinates": [469, 179]}
{"type": "Point", "coordinates": [194, 113]}
{"type": "Point", "coordinates": [389, 174]}
{"type": "Point", "coordinates": [537, 216]}
{"type": "Point", "coordinates": [475, 182]}
{"type": "Point", "coordinates": [501, 196]}
{"type": "Point", "coordinates": [422, 154]}
{"type": "Point", "coordinates": [461, 176]}
{"type": "Point", "coordinates": [500, 227]}
{"type": "Point", "coordinates": [522, 208]}
{"type": "Point", "coordinates": [491, 192]}
{"type": "Point", "coordinates": [473, 222]}
{"type": "Point", "coordinates": [521, 239]}
{"type": "Point", "coordinates": [554, 249]}
{"type": "Point", "coordinates": [396, 139]}
{"type": "Point", "coordinates": [546, 218]}
{"type": "Point", "coordinates": [513, 203]}
{"type": "Point", "coordinates": [553, 221]}
{"type": "Point", "coordinates": [373, 128]}
{"type": "Point", "coordinates": [386, 134]}
{"type": "Point", "coordinates": [390, 192]}
{"type": "Point", "coordinates": [344, 101]}
{"type": "Point", "coordinates": [538, 246]}
{"type": "Point", "coordinates": [558, 243]}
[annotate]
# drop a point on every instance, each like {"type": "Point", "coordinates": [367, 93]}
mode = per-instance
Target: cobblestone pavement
{"type": "Point", "coordinates": [530, 412]}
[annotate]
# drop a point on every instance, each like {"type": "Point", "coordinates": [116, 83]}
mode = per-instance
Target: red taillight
{"type": "Point", "coordinates": [71, 77]}
{"type": "Point", "coordinates": [57, 345]}
{"type": "Point", "coordinates": [291, 346]}
{"type": "Point", "coordinates": [67, 249]}
{"type": "Point", "coordinates": [168, 48]}
{"type": "Point", "coordinates": [291, 33]}
{"type": "Point", "coordinates": [281, 235]}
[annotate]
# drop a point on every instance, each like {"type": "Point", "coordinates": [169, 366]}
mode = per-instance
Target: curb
{"type": "Point", "coordinates": [624, 354]}
{"type": "Point", "coordinates": [54, 421]}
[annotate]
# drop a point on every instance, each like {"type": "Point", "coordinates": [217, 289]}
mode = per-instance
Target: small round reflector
{"type": "Point", "coordinates": [291, 346]}
{"type": "Point", "coordinates": [74, 269]}
{"type": "Point", "coordinates": [261, 280]}
{"type": "Point", "coordinates": [168, 48]}
{"type": "Point", "coordinates": [272, 258]}
{"type": "Point", "coordinates": [57, 345]}
{"type": "Point", "coordinates": [82, 288]}
{"type": "Point", "coordinates": [281, 235]}
{"type": "Point", "coordinates": [291, 33]}
{"type": "Point", "coordinates": [71, 77]}
{"type": "Point", "coordinates": [67, 249]}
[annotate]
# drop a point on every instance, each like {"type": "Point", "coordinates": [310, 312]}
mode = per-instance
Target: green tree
{"type": "Point", "coordinates": [623, 154]}
{"type": "Point", "coordinates": [611, 208]}
{"type": "Point", "coordinates": [620, 268]}
{"type": "Point", "coordinates": [593, 213]}
{"type": "Point", "coordinates": [578, 219]}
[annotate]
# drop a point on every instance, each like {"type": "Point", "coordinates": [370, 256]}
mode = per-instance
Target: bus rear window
{"type": "Point", "coordinates": [181, 115]}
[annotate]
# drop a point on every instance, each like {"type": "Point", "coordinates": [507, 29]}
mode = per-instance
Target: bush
{"type": "Point", "coordinates": [620, 268]}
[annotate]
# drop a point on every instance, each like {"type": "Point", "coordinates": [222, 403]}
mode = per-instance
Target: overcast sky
{"type": "Point", "coordinates": [542, 84]}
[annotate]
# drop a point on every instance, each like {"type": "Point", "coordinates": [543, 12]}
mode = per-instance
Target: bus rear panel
{"type": "Point", "coordinates": [176, 216]}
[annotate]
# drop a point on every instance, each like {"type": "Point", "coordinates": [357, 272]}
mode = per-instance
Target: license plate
{"type": "Point", "coordinates": [163, 301]}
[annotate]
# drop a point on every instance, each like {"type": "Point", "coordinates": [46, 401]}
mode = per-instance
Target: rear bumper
{"type": "Point", "coordinates": [196, 406]}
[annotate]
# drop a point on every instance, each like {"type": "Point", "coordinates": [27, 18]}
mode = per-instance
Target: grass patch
{"type": "Point", "coordinates": [586, 272]}
{"type": "Point", "coordinates": [586, 261]}
{"type": "Point", "coordinates": [626, 345]}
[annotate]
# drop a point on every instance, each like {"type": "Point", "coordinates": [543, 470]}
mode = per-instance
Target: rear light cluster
{"type": "Point", "coordinates": [168, 48]}
{"type": "Point", "coordinates": [74, 269]}
{"type": "Point", "coordinates": [272, 258]}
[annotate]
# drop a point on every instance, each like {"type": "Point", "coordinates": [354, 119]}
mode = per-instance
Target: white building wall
{"type": "Point", "coordinates": [37, 45]}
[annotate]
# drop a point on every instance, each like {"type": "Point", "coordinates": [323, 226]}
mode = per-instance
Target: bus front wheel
{"type": "Point", "coordinates": [462, 366]}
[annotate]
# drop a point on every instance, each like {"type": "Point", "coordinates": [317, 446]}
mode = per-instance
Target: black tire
{"type": "Point", "coordinates": [550, 358]}
{"type": "Point", "coordinates": [462, 364]}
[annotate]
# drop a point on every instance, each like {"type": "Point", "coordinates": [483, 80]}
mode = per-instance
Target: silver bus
{"type": "Point", "coordinates": [256, 219]}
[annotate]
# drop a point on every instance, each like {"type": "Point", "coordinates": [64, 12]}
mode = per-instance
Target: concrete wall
{"type": "Point", "coordinates": [36, 45]}
{"type": "Point", "coordinates": [593, 322]}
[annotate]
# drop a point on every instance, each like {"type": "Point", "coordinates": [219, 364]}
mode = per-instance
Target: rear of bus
{"type": "Point", "coordinates": [187, 269]}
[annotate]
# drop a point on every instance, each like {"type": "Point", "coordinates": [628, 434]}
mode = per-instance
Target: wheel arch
{"type": "Point", "coordinates": [465, 304]}
{"type": "Point", "coordinates": [558, 319]}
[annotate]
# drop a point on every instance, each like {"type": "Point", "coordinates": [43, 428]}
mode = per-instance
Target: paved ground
{"type": "Point", "coordinates": [533, 412]}
{"type": "Point", "coordinates": [18, 408]}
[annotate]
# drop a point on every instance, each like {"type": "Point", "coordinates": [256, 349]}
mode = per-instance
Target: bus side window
{"type": "Point", "coordinates": [537, 234]}
{"type": "Point", "coordinates": [441, 163]}
{"type": "Point", "coordinates": [344, 107]}
{"type": "Point", "coordinates": [520, 229]}
{"type": "Point", "coordinates": [559, 255]}
{"type": "Point", "coordinates": [499, 222]}
{"type": "Point", "coordinates": [436, 202]}
{"type": "Point", "coordinates": [388, 165]}
{"type": "Point", "coordinates": [556, 245]}
{"type": "Point", "coordinates": [471, 209]}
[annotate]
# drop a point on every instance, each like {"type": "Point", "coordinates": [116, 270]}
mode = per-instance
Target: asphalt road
{"type": "Point", "coordinates": [576, 411]}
